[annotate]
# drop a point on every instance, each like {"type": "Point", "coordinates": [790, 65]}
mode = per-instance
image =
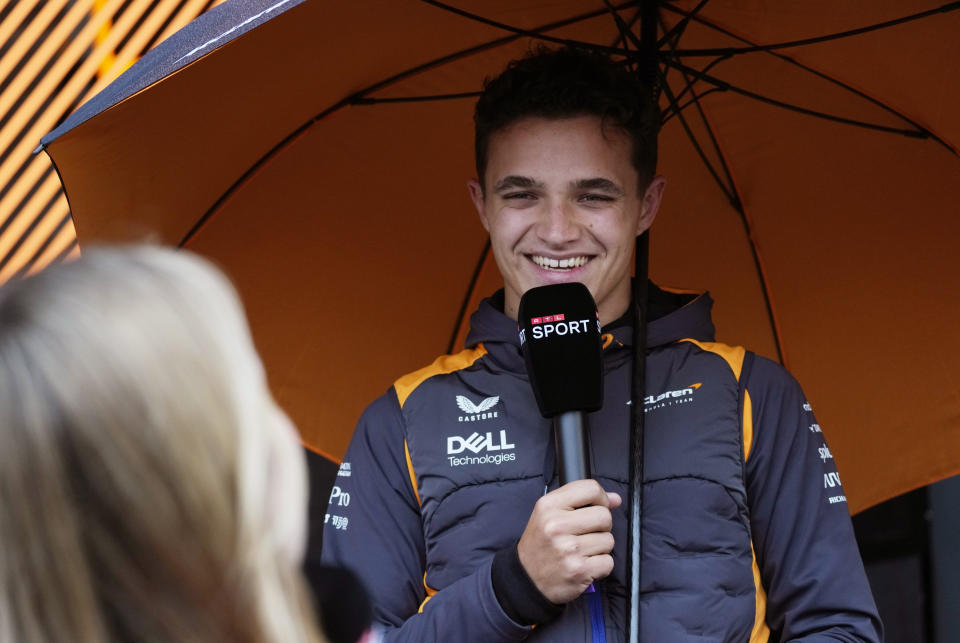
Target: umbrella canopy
{"type": "Point", "coordinates": [319, 153]}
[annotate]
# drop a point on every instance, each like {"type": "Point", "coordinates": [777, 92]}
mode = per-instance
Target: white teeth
{"type": "Point", "coordinates": [559, 264]}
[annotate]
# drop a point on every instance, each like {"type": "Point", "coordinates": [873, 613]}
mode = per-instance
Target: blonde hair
{"type": "Point", "coordinates": [150, 488]}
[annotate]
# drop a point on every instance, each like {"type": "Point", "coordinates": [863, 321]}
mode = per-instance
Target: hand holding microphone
{"type": "Point", "coordinates": [567, 542]}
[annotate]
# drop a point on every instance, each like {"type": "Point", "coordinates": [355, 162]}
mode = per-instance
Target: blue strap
{"type": "Point", "coordinates": [595, 601]}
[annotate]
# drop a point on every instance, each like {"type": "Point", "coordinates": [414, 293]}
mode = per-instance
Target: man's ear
{"type": "Point", "coordinates": [476, 195]}
{"type": "Point", "coordinates": [650, 204]}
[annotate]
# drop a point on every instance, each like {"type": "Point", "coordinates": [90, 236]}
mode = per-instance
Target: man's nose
{"type": "Point", "coordinates": [557, 224]}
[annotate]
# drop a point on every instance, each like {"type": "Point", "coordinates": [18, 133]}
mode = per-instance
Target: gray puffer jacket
{"type": "Point", "coordinates": [746, 534]}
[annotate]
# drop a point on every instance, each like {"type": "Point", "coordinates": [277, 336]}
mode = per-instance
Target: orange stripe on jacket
{"type": "Point", "coordinates": [747, 425]}
{"type": "Point", "coordinates": [413, 475]}
{"type": "Point", "coordinates": [733, 355]}
{"type": "Point", "coordinates": [760, 633]}
{"type": "Point", "coordinates": [430, 593]}
{"type": "Point", "coordinates": [409, 383]}
{"type": "Point", "coordinates": [443, 364]}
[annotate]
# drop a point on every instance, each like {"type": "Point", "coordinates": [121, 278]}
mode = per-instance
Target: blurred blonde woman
{"type": "Point", "coordinates": [150, 488]}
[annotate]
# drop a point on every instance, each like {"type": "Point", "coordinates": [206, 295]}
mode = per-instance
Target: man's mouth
{"type": "Point", "coordinates": [549, 263]}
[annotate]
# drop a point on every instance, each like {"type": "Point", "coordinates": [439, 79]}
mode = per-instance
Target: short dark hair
{"type": "Point", "coordinates": [564, 83]}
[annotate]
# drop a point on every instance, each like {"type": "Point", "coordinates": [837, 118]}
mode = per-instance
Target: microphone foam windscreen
{"type": "Point", "coordinates": [560, 338]}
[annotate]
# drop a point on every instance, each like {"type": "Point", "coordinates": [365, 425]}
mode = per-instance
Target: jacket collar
{"type": "Point", "coordinates": [673, 315]}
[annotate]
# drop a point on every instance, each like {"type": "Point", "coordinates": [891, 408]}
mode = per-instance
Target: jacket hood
{"type": "Point", "coordinates": [673, 315]}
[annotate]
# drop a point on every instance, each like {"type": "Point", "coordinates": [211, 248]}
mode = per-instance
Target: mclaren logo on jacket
{"type": "Point", "coordinates": [670, 398]}
{"type": "Point", "coordinates": [481, 411]}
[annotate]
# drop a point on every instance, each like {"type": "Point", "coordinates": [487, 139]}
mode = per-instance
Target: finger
{"type": "Point", "coordinates": [615, 499]}
{"type": "Point", "coordinates": [588, 520]}
{"type": "Point", "coordinates": [595, 544]}
{"type": "Point", "coordinates": [579, 493]}
{"type": "Point", "coordinates": [599, 566]}
{"type": "Point", "coordinates": [585, 520]}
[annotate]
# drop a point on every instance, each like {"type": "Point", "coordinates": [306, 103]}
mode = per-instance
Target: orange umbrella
{"type": "Point", "coordinates": [319, 153]}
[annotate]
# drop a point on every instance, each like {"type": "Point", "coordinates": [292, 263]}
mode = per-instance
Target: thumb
{"type": "Point", "coordinates": [615, 500]}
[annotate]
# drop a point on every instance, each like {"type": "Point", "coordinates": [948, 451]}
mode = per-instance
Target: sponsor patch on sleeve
{"type": "Point", "coordinates": [339, 500]}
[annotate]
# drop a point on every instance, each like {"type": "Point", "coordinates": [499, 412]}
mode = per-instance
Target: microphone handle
{"type": "Point", "coordinates": [570, 431]}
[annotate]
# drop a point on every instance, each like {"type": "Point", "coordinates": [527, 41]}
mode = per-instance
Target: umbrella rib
{"type": "Point", "coordinates": [733, 194]}
{"type": "Point", "coordinates": [728, 187]}
{"type": "Point", "coordinates": [688, 87]}
{"type": "Point", "coordinates": [466, 298]}
{"type": "Point", "coordinates": [677, 30]}
{"type": "Point", "coordinates": [362, 95]}
{"type": "Point", "coordinates": [626, 33]}
{"type": "Point", "coordinates": [835, 81]}
{"type": "Point", "coordinates": [676, 109]}
{"type": "Point", "coordinates": [536, 33]}
{"type": "Point", "coordinates": [725, 86]}
{"type": "Point", "coordinates": [253, 169]}
{"type": "Point", "coordinates": [738, 206]}
{"type": "Point", "coordinates": [516, 34]}
{"type": "Point", "coordinates": [719, 51]}
{"type": "Point", "coordinates": [364, 100]}
{"type": "Point", "coordinates": [727, 190]}
{"type": "Point", "coordinates": [633, 21]}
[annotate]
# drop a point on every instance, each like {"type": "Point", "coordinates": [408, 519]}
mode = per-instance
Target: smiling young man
{"type": "Point", "coordinates": [456, 522]}
{"type": "Point", "coordinates": [563, 202]}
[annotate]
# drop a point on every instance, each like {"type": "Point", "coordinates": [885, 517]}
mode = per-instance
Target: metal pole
{"type": "Point", "coordinates": [638, 392]}
{"type": "Point", "coordinates": [648, 69]}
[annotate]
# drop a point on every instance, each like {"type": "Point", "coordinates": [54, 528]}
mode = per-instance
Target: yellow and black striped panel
{"type": "Point", "coordinates": [54, 55]}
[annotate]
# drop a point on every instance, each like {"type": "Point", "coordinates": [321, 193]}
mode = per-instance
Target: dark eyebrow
{"type": "Point", "coordinates": [514, 181]}
{"type": "Point", "coordinates": [599, 184]}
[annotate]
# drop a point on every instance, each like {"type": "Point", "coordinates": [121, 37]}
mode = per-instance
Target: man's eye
{"type": "Point", "coordinates": [596, 198]}
{"type": "Point", "coordinates": [519, 195]}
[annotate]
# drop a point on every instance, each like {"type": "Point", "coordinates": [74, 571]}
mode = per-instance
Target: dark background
{"type": "Point", "coordinates": [910, 547]}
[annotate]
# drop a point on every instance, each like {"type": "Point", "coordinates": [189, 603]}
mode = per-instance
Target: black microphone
{"type": "Point", "coordinates": [560, 338]}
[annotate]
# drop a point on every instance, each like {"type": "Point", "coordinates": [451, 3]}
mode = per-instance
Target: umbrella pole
{"type": "Point", "coordinates": [638, 392]}
{"type": "Point", "coordinates": [648, 71]}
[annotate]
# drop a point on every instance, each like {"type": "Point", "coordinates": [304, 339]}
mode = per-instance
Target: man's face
{"type": "Point", "coordinates": [563, 203]}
